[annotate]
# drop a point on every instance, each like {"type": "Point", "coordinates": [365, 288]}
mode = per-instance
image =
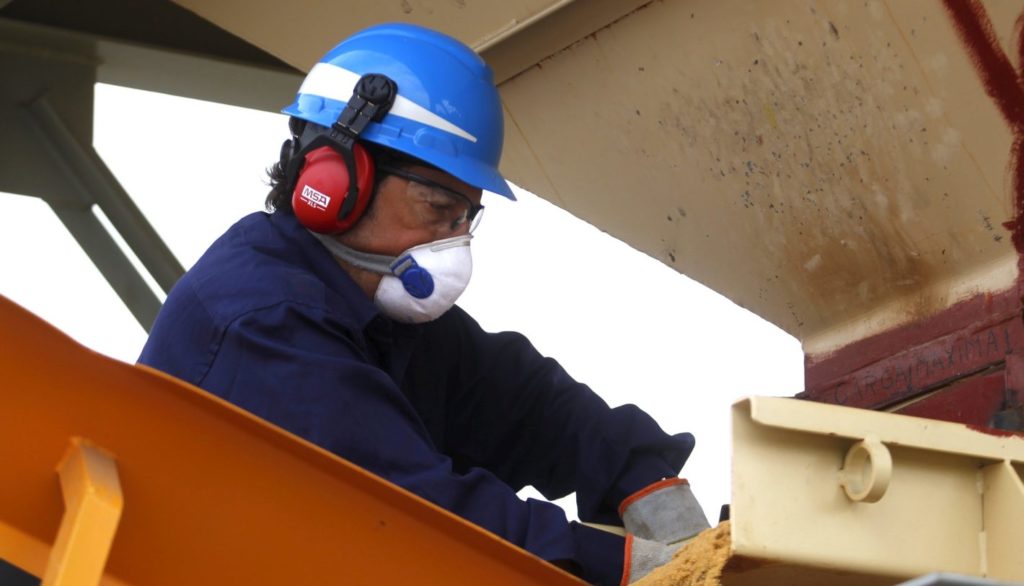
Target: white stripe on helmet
{"type": "Point", "coordinates": [336, 83]}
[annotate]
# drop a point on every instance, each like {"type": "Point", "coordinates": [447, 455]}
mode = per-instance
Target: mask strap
{"type": "Point", "coordinates": [415, 279]}
{"type": "Point", "coordinates": [376, 263]}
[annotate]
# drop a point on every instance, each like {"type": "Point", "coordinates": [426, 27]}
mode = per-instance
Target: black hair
{"type": "Point", "coordinates": [280, 197]}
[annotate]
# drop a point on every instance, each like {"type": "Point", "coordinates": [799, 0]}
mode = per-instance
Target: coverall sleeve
{"type": "Point", "coordinates": [523, 417]}
{"type": "Point", "coordinates": [297, 368]}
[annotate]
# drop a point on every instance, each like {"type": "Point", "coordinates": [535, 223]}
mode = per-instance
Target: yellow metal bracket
{"type": "Point", "coordinates": [1003, 522]}
{"type": "Point", "coordinates": [93, 501]}
{"type": "Point", "coordinates": [823, 494]}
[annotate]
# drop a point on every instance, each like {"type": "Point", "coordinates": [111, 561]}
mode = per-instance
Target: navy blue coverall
{"type": "Point", "coordinates": [269, 321]}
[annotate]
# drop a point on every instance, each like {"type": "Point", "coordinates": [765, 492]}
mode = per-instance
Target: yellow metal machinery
{"type": "Point", "coordinates": [848, 497]}
{"type": "Point", "coordinates": [179, 487]}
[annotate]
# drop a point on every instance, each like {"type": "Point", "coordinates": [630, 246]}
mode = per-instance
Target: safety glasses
{"type": "Point", "coordinates": [446, 204]}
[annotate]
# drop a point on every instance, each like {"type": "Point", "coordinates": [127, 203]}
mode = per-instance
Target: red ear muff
{"type": "Point", "coordinates": [323, 197]}
{"type": "Point", "coordinates": [319, 198]}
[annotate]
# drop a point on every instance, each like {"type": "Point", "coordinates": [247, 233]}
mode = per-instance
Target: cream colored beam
{"type": "Point", "coordinates": [522, 45]}
{"type": "Point", "coordinates": [943, 497]}
{"type": "Point", "coordinates": [1003, 503]}
{"type": "Point", "coordinates": [903, 430]}
{"type": "Point", "coordinates": [512, 35]}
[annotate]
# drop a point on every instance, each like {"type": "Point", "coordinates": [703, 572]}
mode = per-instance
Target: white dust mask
{"type": "Point", "coordinates": [418, 285]}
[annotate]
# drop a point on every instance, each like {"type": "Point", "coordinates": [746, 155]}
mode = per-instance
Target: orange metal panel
{"type": "Point", "coordinates": [213, 494]}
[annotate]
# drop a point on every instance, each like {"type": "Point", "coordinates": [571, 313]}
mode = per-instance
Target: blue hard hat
{"type": "Point", "coordinates": [447, 112]}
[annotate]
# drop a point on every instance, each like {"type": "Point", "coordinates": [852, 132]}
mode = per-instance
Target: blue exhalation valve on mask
{"type": "Point", "coordinates": [418, 285]}
{"type": "Point", "coordinates": [416, 279]}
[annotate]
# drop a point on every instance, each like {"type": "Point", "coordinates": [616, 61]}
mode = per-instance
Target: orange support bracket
{"type": "Point", "coordinates": [93, 502]}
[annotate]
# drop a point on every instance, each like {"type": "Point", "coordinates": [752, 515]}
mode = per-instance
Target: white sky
{"type": "Point", "coordinates": [617, 320]}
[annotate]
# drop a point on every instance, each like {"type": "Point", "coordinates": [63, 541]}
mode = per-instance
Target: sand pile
{"type": "Point", "coordinates": [698, 563]}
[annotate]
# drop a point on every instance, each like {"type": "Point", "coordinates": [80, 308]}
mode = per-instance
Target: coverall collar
{"type": "Point", "coordinates": [360, 307]}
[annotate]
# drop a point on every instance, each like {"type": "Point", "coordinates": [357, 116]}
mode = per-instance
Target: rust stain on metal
{"type": "Point", "coordinates": [834, 157]}
{"type": "Point", "coordinates": [831, 185]}
{"type": "Point", "coordinates": [1003, 84]}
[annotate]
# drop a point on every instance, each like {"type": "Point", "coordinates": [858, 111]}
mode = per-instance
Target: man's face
{"type": "Point", "coordinates": [413, 206]}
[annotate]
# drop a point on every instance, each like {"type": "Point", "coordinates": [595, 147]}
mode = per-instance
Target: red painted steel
{"type": "Point", "coordinates": [895, 366]}
{"type": "Point", "coordinates": [965, 365]}
{"type": "Point", "coordinates": [971, 315]}
{"type": "Point", "coordinates": [971, 401]}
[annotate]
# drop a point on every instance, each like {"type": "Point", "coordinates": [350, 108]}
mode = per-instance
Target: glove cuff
{"type": "Point", "coordinates": [650, 488]}
{"type": "Point", "coordinates": [666, 512]}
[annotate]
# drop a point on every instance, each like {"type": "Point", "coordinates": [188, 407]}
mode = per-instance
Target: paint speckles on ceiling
{"type": "Point", "coordinates": [832, 157]}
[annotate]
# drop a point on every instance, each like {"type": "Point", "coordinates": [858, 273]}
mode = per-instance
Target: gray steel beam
{"type": "Point", "coordinates": [71, 186]}
{"type": "Point", "coordinates": [111, 262]}
{"type": "Point", "coordinates": [46, 146]}
{"type": "Point", "coordinates": [98, 184]}
{"type": "Point", "coordinates": [202, 77]}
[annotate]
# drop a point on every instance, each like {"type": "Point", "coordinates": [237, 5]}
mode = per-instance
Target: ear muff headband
{"type": "Point", "coordinates": [332, 175]}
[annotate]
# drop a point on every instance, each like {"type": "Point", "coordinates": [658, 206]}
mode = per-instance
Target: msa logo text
{"type": "Point", "coordinates": [315, 198]}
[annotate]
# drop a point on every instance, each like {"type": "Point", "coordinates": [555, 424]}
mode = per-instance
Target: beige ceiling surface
{"type": "Point", "coordinates": [835, 166]}
{"type": "Point", "coordinates": [300, 32]}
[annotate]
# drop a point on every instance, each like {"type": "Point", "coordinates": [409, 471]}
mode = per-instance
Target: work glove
{"type": "Point", "coordinates": [665, 512]}
{"type": "Point", "coordinates": [644, 555]}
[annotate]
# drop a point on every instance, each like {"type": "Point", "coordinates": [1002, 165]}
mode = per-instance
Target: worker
{"type": "Point", "coordinates": [332, 316]}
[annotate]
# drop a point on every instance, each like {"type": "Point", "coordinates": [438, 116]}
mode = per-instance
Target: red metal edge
{"type": "Point", "coordinates": [972, 314]}
{"type": "Point", "coordinates": [918, 369]}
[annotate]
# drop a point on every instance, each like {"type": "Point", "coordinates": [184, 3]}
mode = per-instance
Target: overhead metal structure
{"type": "Point", "coordinates": [836, 167]}
{"type": "Point", "coordinates": [849, 170]}
{"type": "Point", "coordinates": [51, 56]}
